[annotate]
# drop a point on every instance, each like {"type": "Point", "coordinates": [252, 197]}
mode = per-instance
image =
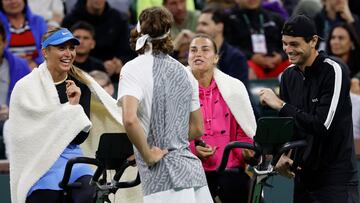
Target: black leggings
{"type": "Point", "coordinates": [231, 187]}
{"type": "Point", "coordinates": [83, 194]}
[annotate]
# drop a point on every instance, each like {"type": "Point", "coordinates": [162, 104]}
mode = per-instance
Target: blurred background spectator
{"type": "Point", "coordinates": [185, 22]}
{"type": "Point", "coordinates": [12, 69]}
{"type": "Point", "coordinates": [289, 5]}
{"type": "Point", "coordinates": [85, 33]}
{"type": "Point", "coordinates": [103, 80]}
{"type": "Point", "coordinates": [308, 7]}
{"type": "Point", "coordinates": [232, 61]}
{"type": "Point", "coordinates": [120, 5]}
{"type": "Point", "coordinates": [183, 17]}
{"type": "Point", "coordinates": [23, 30]}
{"type": "Point", "coordinates": [344, 43]}
{"type": "Point", "coordinates": [276, 6]}
{"type": "Point", "coordinates": [111, 33]}
{"type": "Point", "coordinates": [257, 32]}
{"type": "Point", "coordinates": [333, 12]}
{"type": "Point", "coordinates": [224, 3]}
{"type": "Point", "coordinates": [143, 4]}
{"type": "Point", "coordinates": [51, 10]}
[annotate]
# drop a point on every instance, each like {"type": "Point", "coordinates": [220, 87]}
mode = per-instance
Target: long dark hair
{"type": "Point", "coordinates": [354, 55]}
{"type": "Point", "coordinates": [75, 72]}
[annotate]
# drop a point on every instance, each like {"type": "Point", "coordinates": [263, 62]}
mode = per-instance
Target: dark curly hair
{"type": "Point", "coordinates": [155, 22]}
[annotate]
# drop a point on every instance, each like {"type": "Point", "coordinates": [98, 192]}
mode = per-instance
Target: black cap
{"type": "Point", "coordinates": [299, 26]}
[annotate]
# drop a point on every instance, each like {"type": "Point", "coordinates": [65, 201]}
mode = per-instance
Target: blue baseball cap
{"type": "Point", "coordinates": [61, 36]}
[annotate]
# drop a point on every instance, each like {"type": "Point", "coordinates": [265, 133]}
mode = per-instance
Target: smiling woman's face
{"type": "Point", "coordinates": [340, 42]}
{"type": "Point", "coordinates": [202, 55]}
{"type": "Point", "coordinates": [60, 58]}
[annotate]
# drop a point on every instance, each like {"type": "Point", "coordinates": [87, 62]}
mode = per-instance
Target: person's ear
{"type": "Point", "coordinates": [314, 41]}
{"type": "Point", "coordinates": [44, 52]}
{"type": "Point", "coordinates": [216, 59]}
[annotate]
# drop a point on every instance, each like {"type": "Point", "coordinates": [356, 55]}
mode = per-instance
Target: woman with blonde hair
{"type": "Point", "coordinates": [49, 118]}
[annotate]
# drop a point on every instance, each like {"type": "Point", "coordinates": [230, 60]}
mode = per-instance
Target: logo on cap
{"type": "Point", "coordinates": [59, 37]}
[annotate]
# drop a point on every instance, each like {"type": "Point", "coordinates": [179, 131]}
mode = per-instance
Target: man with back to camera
{"type": "Point", "coordinates": [315, 92]}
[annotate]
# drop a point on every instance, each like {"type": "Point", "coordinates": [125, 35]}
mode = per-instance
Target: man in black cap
{"type": "Point", "coordinates": [315, 92]}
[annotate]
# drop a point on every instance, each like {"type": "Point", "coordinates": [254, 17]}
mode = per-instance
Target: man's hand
{"type": "Point", "coordinates": [205, 152]}
{"type": "Point", "coordinates": [73, 92]}
{"type": "Point", "coordinates": [155, 155]}
{"type": "Point", "coordinates": [343, 8]}
{"type": "Point", "coordinates": [283, 166]}
{"type": "Point", "coordinates": [269, 98]}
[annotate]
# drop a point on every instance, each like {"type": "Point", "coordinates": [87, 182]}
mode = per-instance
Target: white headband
{"type": "Point", "coordinates": [140, 42]}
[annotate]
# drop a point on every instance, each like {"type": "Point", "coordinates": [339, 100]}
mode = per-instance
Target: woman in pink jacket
{"type": "Point", "coordinates": [228, 116]}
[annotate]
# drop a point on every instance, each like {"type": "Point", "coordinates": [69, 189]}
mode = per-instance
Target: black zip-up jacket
{"type": "Point", "coordinates": [318, 99]}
